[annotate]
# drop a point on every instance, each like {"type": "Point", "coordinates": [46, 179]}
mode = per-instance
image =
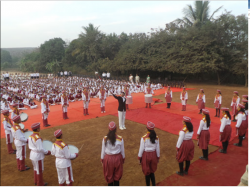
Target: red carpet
{"type": "Point", "coordinates": [220, 170]}
{"type": "Point", "coordinates": [75, 110]}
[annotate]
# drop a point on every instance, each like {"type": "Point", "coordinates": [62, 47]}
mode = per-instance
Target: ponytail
{"type": "Point", "coordinates": [152, 136]}
{"type": "Point", "coordinates": [208, 120]}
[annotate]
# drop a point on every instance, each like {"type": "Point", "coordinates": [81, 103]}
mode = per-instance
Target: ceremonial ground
{"type": "Point", "coordinates": [87, 132]}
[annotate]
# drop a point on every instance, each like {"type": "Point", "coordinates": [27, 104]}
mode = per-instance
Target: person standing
{"type": "Point", "coordinates": [121, 110]}
{"type": "Point", "coordinates": [37, 154]}
{"type": "Point", "coordinates": [185, 146]}
{"type": "Point", "coordinates": [63, 160]}
{"type": "Point", "coordinates": [149, 153]}
{"type": "Point", "coordinates": [203, 134]}
{"type": "Point", "coordinates": [65, 74]}
{"type": "Point", "coordinates": [86, 101]}
{"type": "Point", "coordinates": [45, 111]}
{"type": "Point", "coordinates": [127, 93]}
{"type": "Point", "coordinates": [241, 125]}
{"type": "Point", "coordinates": [184, 98]}
{"type": "Point", "coordinates": [168, 97]}
{"type": "Point", "coordinates": [108, 75]}
{"type": "Point", "coordinates": [15, 111]}
{"type": "Point", "coordinates": [225, 129]}
{"type": "Point", "coordinates": [7, 76]}
{"type": "Point", "coordinates": [245, 103]}
{"type": "Point", "coordinates": [65, 105]}
{"type": "Point", "coordinates": [217, 103]}
{"type": "Point", "coordinates": [20, 143]}
{"type": "Point", "coordinates": [137, 79]}
{"type": "Point", "coordinates": [234, 104]}
{"type": "Point", "coordinates": [112, 156]}
{"type": "Point", "coordinates": [102, 96]}
{"type": "Point", "coordinates": [61, 73]}
{"type": "Point", "coordinates": [148, 90]}
{"type": "Point", "coordinates": [148, 79]}
{"type": "Point", "coordinates": [131, 78]}
{"type": "Point", "coordinates": [7, 125]}
{"type": "Point", "coordinates": [201, 100]}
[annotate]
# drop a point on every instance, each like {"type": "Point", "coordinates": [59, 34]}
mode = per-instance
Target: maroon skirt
{"type": "Point", "coordinates": [186, 151]}
{"type": "Point", "coordinates": [204, 139]}
{"type": "Point", "coordinates": [226, 135]}
{"type": "Point", "coordinates": [243, 128]}
{"type": "Point", "coordinates": [217, 104]}
{"type": "Point", "coordinates": [149, 162]}
{"type": "Point", "coordinates": [112, 167]}
{"type": "Point", "coordinates": [201, 104]}
{"type": "Point", "coordinates": [168, 98]}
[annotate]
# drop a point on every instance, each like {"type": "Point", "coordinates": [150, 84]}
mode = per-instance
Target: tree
{"type": "Point", "coordinates": [197, 15]}
{"type": "Point", "coordinates": [6, 59]}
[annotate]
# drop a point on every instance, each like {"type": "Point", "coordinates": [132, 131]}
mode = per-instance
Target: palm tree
{"type": "Point", "coordinates": [197, 15]}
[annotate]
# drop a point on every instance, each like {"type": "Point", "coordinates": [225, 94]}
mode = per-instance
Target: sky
{"type": "Point", "coordinates": [31, 23]}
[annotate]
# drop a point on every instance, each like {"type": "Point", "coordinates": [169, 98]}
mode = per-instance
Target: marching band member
{"type": "Point", "coordinates": [112, 156]}
{"type": "Point", "coordinates": [241, 124]}
{"type": "Point", "coordinates": [65, 105]}
{"type": "Point", "coordinates": [121, 110]}
{"type": "Point", "coordinates": [245, 103]}
{"type": "Point", "coordinates": [127, 93]}
{"type": "Point", "coordinates": [15, 111]}
{"type": "Point", "coordinates": [168, 97]}
{"type": "Point", "coordinates": [37, 154]}
{"type": "Point", "coordinates": [225, 129]}
{"type": "Point", "coordinates": [185, 146]}
{"type": "Point", "coordinates": [148, 90]}
{"type": "Point", "coordinates": [86, 101]}
{"type": "Point", "coordinates": [45, 111]}
{"type": "Point", "coordinates": [217, 103]}
{"type": "Point", "coordinates": [7, 124]}
{"type": "Point", "coordinates": [203, 134]}
{"type": "Point", "coordinates": [102, 96]}
{"type": "Point", "coordinates": [20, 143]}
{"type": "Point", "coordinates": [201, 100]}
{"type": "Point", "coordinates": [234, 103]}
{"type": "Point", "coordinates": [184, 98]}
{"type": "Point", "coordinates": [149, 153]}
{"type": "Point", "coordinates": [63, 160]}
{"type": "Point", "coordinates": [32, 104]}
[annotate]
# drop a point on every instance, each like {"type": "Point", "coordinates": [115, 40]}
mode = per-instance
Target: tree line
{"type": "Point", "coordinates": [198, 46]}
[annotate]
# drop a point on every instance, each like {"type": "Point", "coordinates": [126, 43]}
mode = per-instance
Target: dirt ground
{"type": "Point", "coordinates": [87, 168]}
{"type": "Point", "coordinates": [210, 92]}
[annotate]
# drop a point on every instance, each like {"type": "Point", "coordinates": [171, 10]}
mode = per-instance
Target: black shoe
{"type": "Point", "coordinates": [236, 144]}
{"type": "Point", "coordinates": [179, 173]}
{"type": "Point", "coordinates": [45, 184]}
{"type": "Point", "coordinates": [234, 120]}
{"type": "Point", "coordinates": [215, 116]}
{"type": "Point", "coordinates": [185, 172]}
{"type": "Point", "coordinates": [222, 151]}
{"type": "Point", "coordinates": [26, 168]}
{"type": "Point", "coordinates": [203, 158]}
{"type": "Point", "coordinates": [14, 152]}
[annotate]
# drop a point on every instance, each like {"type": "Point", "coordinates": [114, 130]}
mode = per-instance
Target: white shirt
{"type": "Point", "coordinates": [203, 126]}
{"type": "Point", "coordinates": [203, 98]}
{"type": "Point", "coordinates": [240, 117]}
{"type": "Point", "coordinates": [184, 136]}
{"type": "Point", "coordinates": [63, 156]}
{"type": "Point", "coordinates": [36, 147]}
{"type": "Point", "coordinates": [43, 108]}
{"type": "Point", "coordinates": [148, 146]}
{"type": "Point", "coordinates": [108, 74]}
{"type": "Point", "coordinates": [224, 121]}
{"type": "Point", "coordinates": [7, 127]}
{"type": "Point", "coordinates": [237, 101]}
{"type": "Point", "coordinates": [20, 139]}
{"type": "Point", "coordinates": [109, 149]}
{"type": "Point", "coordinates": [219, 99]}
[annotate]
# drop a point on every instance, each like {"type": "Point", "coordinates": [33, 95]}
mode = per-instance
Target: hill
{"type": "Point", "coordinates": [19, 52]}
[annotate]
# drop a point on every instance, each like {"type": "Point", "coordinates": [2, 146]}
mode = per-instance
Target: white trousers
{"type": "Point", "coordinates": [65, 174]}
{"type": "Point", "coordinates": [20, 150]}
{"type": "Point", "coordinates": [32, 107]}
{"type": "Point", "coordinates": [65, 109]}
{"type": "Point", "coordinates": [36, 165]}
{"type": "Point", "coordinates": [121, 116]}
{"type": "Point", "coordinates": [183, 102]}
{"type": "Point", "coordinates": [86, 104]}
{"type": "Point", "coordinates": [9, 138]}
{"type": "Point", "coordinates": [102, 103]}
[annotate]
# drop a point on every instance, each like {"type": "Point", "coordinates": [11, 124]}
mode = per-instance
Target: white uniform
{"type": "Point", "coordinates": [44, 110]}
{"type": "Point", "coordinates": [224, 122]}
{"type": "Point", "coordinates": [147, 146]}
{"type": "Point", "coordinates": [37, 152]}
{"type": "Point", "coordinates": [102, 99]}
{"type": "Point", "coordinates": [203, 98]}
{"type": "Point", "coordinates": [183, 102]}
{"type": "Point", "coordinates": [203, 126]}
{"type": "Point", "coordinates": [240, 117]}
{"type": "Point", "coordinates": [63, 162]}
{"type": "Point", "coordinates": [86, 101]}
{"type": "Point", "coordinates": [64, 107]}
{"type": "Point", "coordinates": [183, 136]}
{"type": "Point", "coordinates": [7, 128]}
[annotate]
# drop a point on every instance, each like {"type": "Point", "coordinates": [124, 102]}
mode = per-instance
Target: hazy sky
{"type": "Point", "coordinates": [31, 23]}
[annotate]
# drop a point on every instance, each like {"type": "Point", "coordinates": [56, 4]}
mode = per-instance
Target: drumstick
{"type": "Point", "coordinates": [81, 148]}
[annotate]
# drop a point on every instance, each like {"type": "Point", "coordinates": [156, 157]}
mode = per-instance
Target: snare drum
{"type": "Point", "coordinates": [21, 125]}
{"type": "Point", "coordinates": [27, 134]}
{"type": "Point", "coordinates": [47, 145]}
{"type": "Point", "coordinates": [129, 100]}
{"type": "Point", "coordinates": [24, 117]}
{"type": "Point", "coordinates": [73, 149]}
{"type": "Point", "coordinates": [148, 98]}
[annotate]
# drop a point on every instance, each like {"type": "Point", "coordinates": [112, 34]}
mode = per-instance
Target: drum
{"type": "Point", "coordinates": [27, 134]}
{"type": "Point", "coordinates": [47, 145]}
{"type": "Point", "coordinates": [73, 149]}
{"type": "Point", "coordinates": [129, 100]}
{"type": "Point", "coordinates": [24, 117]}
{"type": "Point", "coordinates": [148, 98]}
{"type": "Point", "coordinates": [21, 125]}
